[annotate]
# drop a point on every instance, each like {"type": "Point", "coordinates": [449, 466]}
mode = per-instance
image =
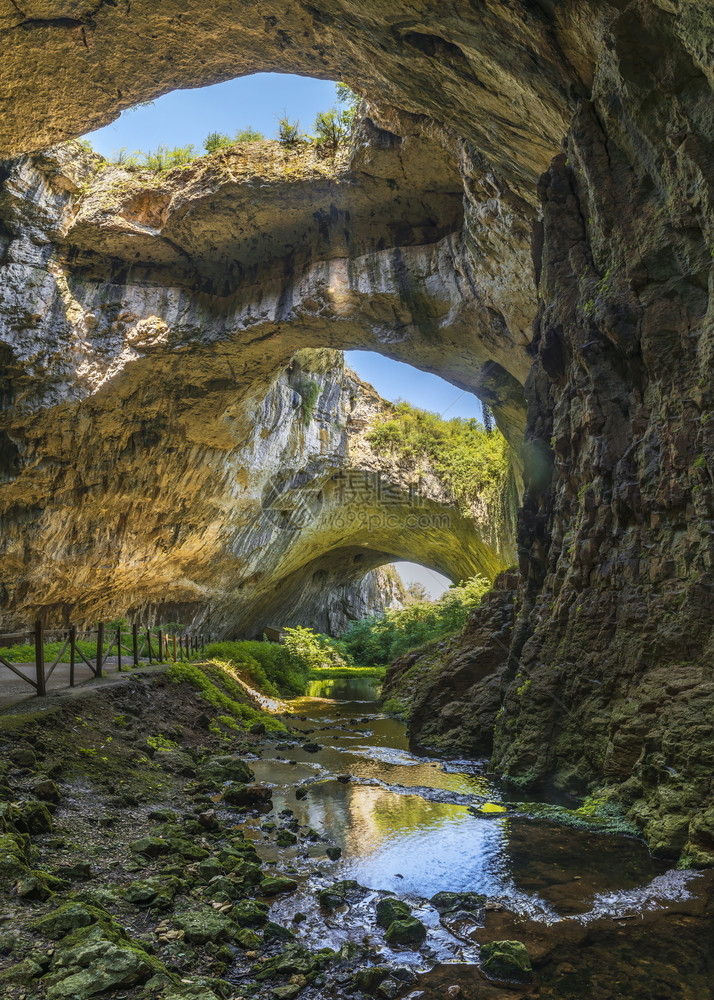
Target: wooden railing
{"type": "Point", "coordinates": [128, 643]}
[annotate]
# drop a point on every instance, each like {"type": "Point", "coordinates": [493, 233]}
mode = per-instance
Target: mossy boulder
{"type": "Point", "coordinates": [407, 931]}
{"type": "Point", "coordinates": [293, 961]}
{"type": "Point", "coordinates": [391, 909]}
{"type": "Point", "coordinates": [34, 887]}
{"type": "Point", "coordinates": [225, 768]}
{"type": "Point", "coordinates": [367, 980]}
{"type": "Point", "coordinates": [275, 884]}
{"type": "Point", "coordinates": [246, 873]}
{"type": "Point", "coordinates": [65, 919]}
{"type": "Point", "coordinates": [32, 817]}
{"type": "Point", "coordinates": [96, 967]}
{"type": "Point", "coordinates": [249, 913]}
{"type": "Point", "coordinates": [338, 894]}
{"type": "Point", "coordinates": [285, 838]}
{"type": "Point", "coordinates": [151, 847]}
{"type": "Point", "coordinates": [201, 926]}
{"type": "Point", "coordinates": [276, 932]}
{"type": "Point", "coordinates": [22, 973]}
{"type": "Point", "coordinates": [13, 863]}
{"type": "Point", "coordinates": [247, 938]}
{"type": "Point", "coordinates": [455, 904]}
{"type": "Point", "coordinates": [46, 790]}
{"type": "Point", "coordinates": [187, 850]}
{"type": "Point", "coordinates": [507, 960]}
{"type": "Point", "coordinates": [239, 794]}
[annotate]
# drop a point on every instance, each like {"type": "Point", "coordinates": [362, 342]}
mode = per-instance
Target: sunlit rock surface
{"type": "Point", "coordinates": [238, 514]}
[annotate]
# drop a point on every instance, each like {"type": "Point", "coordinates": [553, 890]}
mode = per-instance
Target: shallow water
{"type": "Point", "coordinates": [403, 825]}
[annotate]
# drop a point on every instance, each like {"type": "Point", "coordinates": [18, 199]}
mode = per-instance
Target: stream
{"type": "Point", "coordinates": [403, 825]}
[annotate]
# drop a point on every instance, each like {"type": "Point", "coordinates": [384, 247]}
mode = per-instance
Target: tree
{"type": "Point", "coordinates": [416, 592]}
{"type": "Point", "coordinates": [347, 96]}
{"type": "Point", "coordinates": [488, 421]}
{"type": "Point", "coordinates": [332, 128]}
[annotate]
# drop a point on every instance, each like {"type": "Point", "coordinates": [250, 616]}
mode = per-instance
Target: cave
{"type": "Point", "coordinates": [526, 211]}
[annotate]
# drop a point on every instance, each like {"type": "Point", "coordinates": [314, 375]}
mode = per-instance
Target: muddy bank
{"type": "Point", "coordinates": [154, 847]}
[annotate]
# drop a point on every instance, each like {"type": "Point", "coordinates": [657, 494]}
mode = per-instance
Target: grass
{"type": "Point", "coordinates": [222, 691]}
{"type": "Point", "coordinates": [336, 673]}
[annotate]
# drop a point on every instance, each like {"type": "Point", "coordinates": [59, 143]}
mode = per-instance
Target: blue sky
{"type": "Point", "coordinates": [186, 117]}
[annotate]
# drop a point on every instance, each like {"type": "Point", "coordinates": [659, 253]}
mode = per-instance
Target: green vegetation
{"type": "Point", "coordinates": [380, 639]}
{"type": "Point", "coordinates": [288, 132]}
{"type": "Point", "coordinates": [215, 141]}
{"type": "Point", "coordinates": [221, 690]}
{"type": "Point", "coordinates": [472, 461]}
{"type": "Point", "coordinates": [248, 135]}
{"type": "Point", "coordinates": [309, 393]}
{"type": "Point", "coordinates": [284, 670]}
{"type": "Point", "coordinates": [332, 129]}
{"type": "Point", "coordinates": [24, 652]}
{"type": "Point", "coordinates": [161, 743]}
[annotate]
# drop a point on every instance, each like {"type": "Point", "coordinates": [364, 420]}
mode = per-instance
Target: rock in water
{"type": "Point", "coordinates": [507, 960]}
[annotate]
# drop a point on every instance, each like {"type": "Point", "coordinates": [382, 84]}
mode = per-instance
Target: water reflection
{"type": "Point", "coordinates": [346, 689]}
{"type": "Point", "coordinates": [401, 840]}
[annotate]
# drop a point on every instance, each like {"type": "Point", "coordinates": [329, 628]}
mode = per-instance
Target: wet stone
{"type": "Point", "coordinates": [389, 910]}
{"type": "Point", "coordinates": [406, 931]}
{"type": "Point", "coordinates": [225, 768]}
{"type": "Point", "coordinates": [507, 960]}
{"type": "Point", "coordinates": [274, 885]}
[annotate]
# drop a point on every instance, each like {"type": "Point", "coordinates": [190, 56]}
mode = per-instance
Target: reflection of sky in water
{"type": "Point", "coordinates": [434, 846]}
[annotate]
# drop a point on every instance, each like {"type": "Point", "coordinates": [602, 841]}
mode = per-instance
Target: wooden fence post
{"type": "Point", "coordinates": [100, 649]}
{"type": "Point", "coordinates": [72, 644]}
{"type": "Point", "coordinates": [119, 648]}
{"type": "Point", "coordinates": [174, 647]}
{"type": "Point", "coordinates": [160, 646]}
{"type": "Point", "coordinates": [135, 643]}
{"type": "Point", "coordinates": [148, 643]}
{"type": "Point", "coordinates": [40, 657]}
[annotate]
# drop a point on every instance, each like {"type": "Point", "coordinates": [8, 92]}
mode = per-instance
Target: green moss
{"type": "Point", "coordinates": [161, 743]}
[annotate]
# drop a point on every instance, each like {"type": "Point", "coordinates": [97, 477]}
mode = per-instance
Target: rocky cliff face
{"type": "Point", "coordinates": [607, 681]}
{"type": "Point", "coordinates": [279, 517]}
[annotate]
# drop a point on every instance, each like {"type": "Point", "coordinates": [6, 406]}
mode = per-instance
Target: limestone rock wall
{"type": "Point", "coordinates": [274, 514]}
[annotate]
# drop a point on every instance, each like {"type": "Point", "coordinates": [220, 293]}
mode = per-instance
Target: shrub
{"type": "Point", "coordinates": [351, 101]}
{"type": "Point", "coordinates": [288, 132]}
{"type": "Point", "coordinates": [215, 141]}
{"type": "Point", "coordinates": [309, 393]}
{"type": "Point", "coordinates": [166, 157]}
{"type": "Point", "coordinates": [248, 135]}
